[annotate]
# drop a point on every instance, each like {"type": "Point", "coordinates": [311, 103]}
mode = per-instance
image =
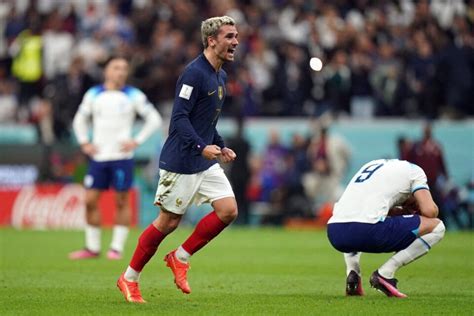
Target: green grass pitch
{"type": "Point", "coordinates": [242, 272]}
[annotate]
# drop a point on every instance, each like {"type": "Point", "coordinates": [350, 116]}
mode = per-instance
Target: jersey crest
{"type": "Point", "coordinates": [220, 92]}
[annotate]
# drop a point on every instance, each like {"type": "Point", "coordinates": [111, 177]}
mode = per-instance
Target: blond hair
{"type": "Point", "coordinates": [211, 26]}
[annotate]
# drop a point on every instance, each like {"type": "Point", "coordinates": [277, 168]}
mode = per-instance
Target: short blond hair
{"type": "Point", "coordinates": [211, 26]}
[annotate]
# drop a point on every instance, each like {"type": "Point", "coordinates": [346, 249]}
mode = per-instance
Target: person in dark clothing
{"type": "Point", "coordinates": [428, 154]}
{"type": "Point", "coordinates": [239, 173]}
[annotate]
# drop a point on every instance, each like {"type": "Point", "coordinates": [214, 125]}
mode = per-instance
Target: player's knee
{"type": "Point", "coordinates": [439, 229]}
{"type": "Point", "coordinates": [122, 205]}
{"type": "Point", "coordinates": [91, 206]}
{"type": "Point", "coordinates": [436, 234]}
{"type": "Point", "coordinates": [229, 214]}
{"type": "Point", "coordinates": [167, 222]}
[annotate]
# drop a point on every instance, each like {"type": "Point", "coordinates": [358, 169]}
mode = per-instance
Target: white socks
{"type": "Point", "coordinates": [119, 237]}
{"type": "Point", "coordinates": [352, 262]}
{"type": "Point", "coordinates": [414, 251]}
{"type": "Point", "coordinates": [92, 237]}
{"type": "Point", "coordinates": [182, 255]}
{"type": "Point", "coordinates": [131, 275]}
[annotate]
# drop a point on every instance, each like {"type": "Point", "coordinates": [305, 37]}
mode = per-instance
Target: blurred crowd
{"type": "Point", "coordinates": [381, 58]}
{"type": "Point", "coordinates": [294, 181]}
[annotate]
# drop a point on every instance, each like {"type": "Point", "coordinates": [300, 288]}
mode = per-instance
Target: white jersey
{"type": "Point", "coordinates": [113, 114]}
{"type": "Point", "coordinates": [375, 188]}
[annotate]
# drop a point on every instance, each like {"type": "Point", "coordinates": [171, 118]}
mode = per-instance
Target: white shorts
{"type": "Point", "coordinates": [176, 191]}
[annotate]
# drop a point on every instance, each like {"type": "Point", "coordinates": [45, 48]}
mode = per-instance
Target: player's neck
{"type": "Point", "coordinates": [110, 85]}
{"type": "Point", "coordinates": [212, 58]}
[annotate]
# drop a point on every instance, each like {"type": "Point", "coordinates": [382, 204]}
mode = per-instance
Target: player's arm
{"type": "Point", "coordinates": [152, 121]}
{"type": "Point", "coordinates": [185, 98]}
{"type": "Point", "coordinates": [425, 203]}
{"type": "Point", "coordinates": [80, 125]}
{"type": "Point", "coordinates": [421, 192]}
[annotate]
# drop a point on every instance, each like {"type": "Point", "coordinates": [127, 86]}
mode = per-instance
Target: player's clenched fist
{"type": "Point", "coordinates": [211, 152]}
{"type": "Point", "coordinates": [227, 155]}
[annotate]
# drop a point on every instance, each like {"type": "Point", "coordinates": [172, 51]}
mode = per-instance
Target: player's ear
{"type": "Point", "coordinates": [211, 41]}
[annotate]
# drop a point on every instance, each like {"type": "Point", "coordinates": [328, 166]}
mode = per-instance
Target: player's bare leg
{"type": "Point", "coordinates": [225, 211]}
{"type": "Point", "coordinates": [431, 231]}
{"type": "Point", "coordinates": [121, 228]}
{"type": "Point", "coordinates": [92, 229]}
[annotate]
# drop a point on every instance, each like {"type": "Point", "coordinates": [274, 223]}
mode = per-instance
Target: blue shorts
{"type": "Point", "coordinates": [104, 174]}
{"type": "Point", "coordinates": [393, 234]}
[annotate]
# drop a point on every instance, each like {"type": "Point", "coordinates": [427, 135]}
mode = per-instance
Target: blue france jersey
{"type": "Point", "coordinates": [199, 96]}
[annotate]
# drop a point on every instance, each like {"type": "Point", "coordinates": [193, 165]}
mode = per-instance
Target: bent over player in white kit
{"type": "Point", "coordinates": [361, 222]}
{"type": "Point", "coordinates": [112, 107]}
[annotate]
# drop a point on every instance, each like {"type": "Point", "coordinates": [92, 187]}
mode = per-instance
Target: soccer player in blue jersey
{"type": "Point", "coordinates": [112, 107]}
{"type": "Point", "coordinates": [190, 172]}
{"type": "Point", "coordinates": [364, 220]}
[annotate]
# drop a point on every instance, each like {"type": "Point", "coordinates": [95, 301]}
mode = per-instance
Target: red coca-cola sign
{"type": "Point", "coordinates": [55, 206]}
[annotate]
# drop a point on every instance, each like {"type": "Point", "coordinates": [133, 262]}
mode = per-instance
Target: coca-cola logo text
{"type": "Point", "coordinates": [62, 208]}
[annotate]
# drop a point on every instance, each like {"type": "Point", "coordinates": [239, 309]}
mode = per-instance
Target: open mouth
{"type": "Point", "coordinates": [231, 50]}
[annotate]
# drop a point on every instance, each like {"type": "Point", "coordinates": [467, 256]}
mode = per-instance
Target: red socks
{"type": "Point", "coordinates": [146, 248]}
{"type": "Point", "coordinates": [208, 227]}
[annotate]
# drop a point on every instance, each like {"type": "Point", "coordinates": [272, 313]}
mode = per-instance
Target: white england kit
{"type": "Point", "coordinates": [113, 114]}
{"type": "Point", "coordinates": [376, 187]}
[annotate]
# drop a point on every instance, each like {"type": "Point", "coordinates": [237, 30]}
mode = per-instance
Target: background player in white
{"type": "Point", "coordinates": [361, 221]}
{"type": "Point", "coordinates": [112, 107]}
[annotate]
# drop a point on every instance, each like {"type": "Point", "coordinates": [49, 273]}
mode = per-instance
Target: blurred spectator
{"type": "Point", "coordinates": [467, 201]}
{"type": "Point", "coordinates": [114, 28]}
{"type": "Point", "coordinates": [297, 203]}
{"type": "Point", "coordinates": [15, 24]}
{"type": "Point", "coordinates": [385, 81]}
{"type": "Point", "coordinates": [428, 154]}
{"type": "Point", "coordinates": [421, 72]}
{"type": "Point", "coordinates": [338, 82]}
{"type": "Point", "coordinates": [273, 166]}
{"type": "Point", "coordinates": [65, 92]}
{"type": "Point", "coordinates": [262, 63]}
{"type": "Point", "coordinates": [362, 103]}
{"type": "Point", "coordinates": [329, 157]}
{"type": "Point", "coordinates": [57, 45]}
{"type": "Point", "coordinates": [27, 65]}
{"type": "Point", "coordinates": [8, 102]}
{"type": "Point", "coordinates": [239, 173]}
{"type": "Point", "coordinates": [404, 146]}
{"type": "Point", "coordinates": [293, 80]}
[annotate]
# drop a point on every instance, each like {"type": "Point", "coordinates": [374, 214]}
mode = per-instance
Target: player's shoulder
{"type": "Point", "coordinates": [415, 169]}
{"type": "Point", "coordinates": [132, 92]}
{"type": "Point", "coordinates": [195, 68]}
{"type": "Point", "coordinates": [407, 167]}
{"type": "Point", "coordinates": [94, 91]}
